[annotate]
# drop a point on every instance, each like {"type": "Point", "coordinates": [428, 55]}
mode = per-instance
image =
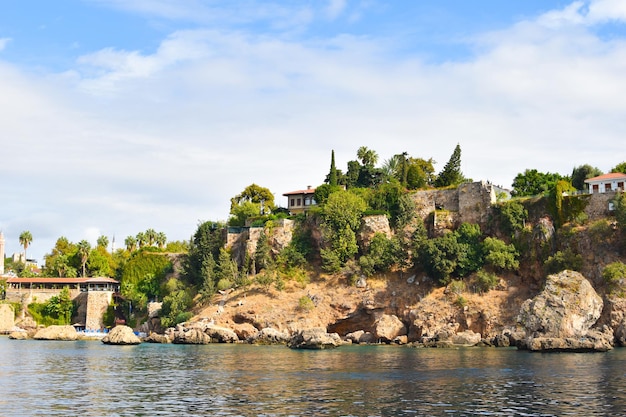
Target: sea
{"type": "Point", "coordinates": [88, 378]}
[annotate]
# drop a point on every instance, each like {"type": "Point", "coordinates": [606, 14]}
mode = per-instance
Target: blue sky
{"type": "Point", "coordinates": [122, 115]}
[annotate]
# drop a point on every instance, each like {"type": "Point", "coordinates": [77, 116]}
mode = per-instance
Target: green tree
{"type": "Point", "coordinates": [323, 191]}
{"type": "Point", "coordinates": [103, 242]}
{"type": "Point", "coordinates": [227, 272]}
{"type": "Point", "coordinates": [204, 250]}
{"type": "Point", "coordinates": [131, 243]}
{"type": "Point", "coordinates": [175, 308]}
{"type": "Point", "coordinates": [621, 167]}
{"type": "Point", "coordinates": [151, 236]}
{"type": "Point", "coordinates": [500, 256]}
{"type": "Point", "coordinates": [263, 253]}
{"type": "Point", "coordinates": [26, 238]}
{"type": "Point", "coordinates": [142, 239]}
{"type": "Point", "coordinates": [60, 307]}
{"type": "Point", "coordinates": [161, 240]}
{"type": "Point", "coordinates": [614, 275]}
{"type": "Point", "coordinates": [367, 156]}
{"type": "Point", "coordinates": [440, 256]}
{"type": "Point", "coordinates": [514, 215]}
{"type": "Point", "coordinates": [83, 250]}
{"type": "Point", "coordinates": [451, 174]}
{"type": "Point", "coordinates": [253, 193]}
{"type": "Point", "coordinates": [332, 175]}
{"type": "Point", "coordinates": [532, 182]}
{"type": "Point", "coordinates": [58, 263]}
{"type": "Point", "coordinates": [581, 173]}
{"type": "Point", "coordinates": [619, 206]}
{"type": "Point", "coordinates": [242, 212]}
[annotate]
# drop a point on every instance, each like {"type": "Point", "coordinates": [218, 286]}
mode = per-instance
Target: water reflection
{"type": "Point", "coordinates": [88, 378]}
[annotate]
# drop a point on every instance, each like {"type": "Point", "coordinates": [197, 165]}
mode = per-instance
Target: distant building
{"type": "Point", "coordinates": [606, 183]}
{"type": "Point", "coordinates": [301, 200]}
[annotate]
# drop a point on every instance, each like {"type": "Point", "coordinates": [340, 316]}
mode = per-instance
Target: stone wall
{"type": "Point", "coordinates": [598, 206]}
{"type": "Point", "coordinates": [97, 303]}
{"type": "Point", "coordinates": [244, 240]}
{"type": "Point", "coordinates": [7, 318]}
{"type": "Point", "coordinates": [470, 203]}
{"type": "Point", "coordinates": [27, 296]}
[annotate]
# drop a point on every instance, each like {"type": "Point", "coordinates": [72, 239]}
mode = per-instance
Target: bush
{"type": "Point", "coordinates": [614, 275]}
{"type": "Point", "coordinates": [486, 281]}
{"type": "Point", "coordinates": [457, 287]}
{"type": "Point", "coordinates": [305, 303]}
{"type": "Point", "coordinates": [563, 260]}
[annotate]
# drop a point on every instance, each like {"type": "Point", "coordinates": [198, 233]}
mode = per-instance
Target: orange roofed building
{"type": "Point", "coordinates": [606, 183]}
{"type": "Point", "coordinates": [301, 200]}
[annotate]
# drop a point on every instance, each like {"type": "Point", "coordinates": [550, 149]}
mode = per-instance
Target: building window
{"type": "Point", "coordinates": [293, 202]}
{"type": "Point", "coordinates": [607, 187]}
{"type": "Point", "coordinates": [299, 202]}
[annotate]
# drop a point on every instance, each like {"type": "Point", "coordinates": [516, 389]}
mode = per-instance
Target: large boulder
{"type": "Point", "coordinates": [269, 336]}
{"type": "Point", "coordinates": [221, 334]}
{"type": "Point", "coordinates": [18, 335]}
{"type": "Point", "coordinates": [121, 335]}
{"type": "Point", "coordinates": [314, 338]}
{"type": "Point", "coordinates": [191, 336]}
{"type": "Point", "coordinates": [388, 327]}
{"type": "Point", "coordinates": [56, 333]}
{"type": "Point", "coordinates": [566, 309]}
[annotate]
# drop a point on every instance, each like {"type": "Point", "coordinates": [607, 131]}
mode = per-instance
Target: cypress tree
{"type": "Point", "coordinates": [332, 176]}
{"type": "Point", "coordinates": [451, 173]}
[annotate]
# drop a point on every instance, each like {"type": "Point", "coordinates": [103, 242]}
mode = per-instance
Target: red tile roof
{"type": "Point", "coordinates": [608, 177]}
{"type": "Point", "coordinates": [307, 191]}
{"type": "Point", "coordinates": [42, 280]}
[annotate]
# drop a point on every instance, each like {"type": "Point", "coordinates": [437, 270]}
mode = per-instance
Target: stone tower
{"type": "Point", "coordinates": [1, 253]}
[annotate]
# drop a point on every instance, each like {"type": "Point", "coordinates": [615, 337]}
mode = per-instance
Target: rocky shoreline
{"type": "Point", "coordinates": [563, 317]}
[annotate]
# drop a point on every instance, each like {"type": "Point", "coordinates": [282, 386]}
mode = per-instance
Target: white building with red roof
{"type": "Point", "coordinates": [301, 200]}
{"type": "Point", "coordinates": [606, 183]}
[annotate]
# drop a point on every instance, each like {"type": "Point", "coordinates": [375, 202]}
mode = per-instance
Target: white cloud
{"type": "Point", "coordinates": [335, 8]}
{"type": "Point", "coordinates": [129, 140]}
{"type": "Point", "coordinates": [4, 42]}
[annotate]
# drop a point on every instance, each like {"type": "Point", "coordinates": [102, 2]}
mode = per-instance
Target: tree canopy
{"type": "Point", "coordinates": [451, 173]}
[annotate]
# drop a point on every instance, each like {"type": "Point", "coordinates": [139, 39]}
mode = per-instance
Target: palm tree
{"type": "Point", "coordinates": [103, 241]}
{"type": "Point", "coordinates": [25, 240]}
{"type": "Point", "coordinates": [141, 239]}
{"type": "Point", "coordinates": [150, 235]}
{"type": "Point", "coordinates": [83, 251]}
{"type": "Point", "coordinates": [161, 239]}
{"type": "Point", "coordinates": [131, 243]}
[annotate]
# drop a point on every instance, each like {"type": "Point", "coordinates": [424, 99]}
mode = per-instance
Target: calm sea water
{"type": "Point", "coordinates": [40, 378]}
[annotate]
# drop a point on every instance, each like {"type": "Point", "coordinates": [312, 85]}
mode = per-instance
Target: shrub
{"type": "Point", "coordinates": [305, 303]}
{"type": "Point", "coordinates": [457, 287]}
{"type": "Point", "coordinates": [614, 275]}
{"type": "Point", "coordinates": [224, 284]}
{"type": "Point", "coordinates": [486, 281]}
{"type": "Point", "coordinates": [563, 260]}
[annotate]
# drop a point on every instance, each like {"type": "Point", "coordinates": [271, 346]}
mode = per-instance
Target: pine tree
{"type": "Point", "coordinates": [451, 173]}
{"type": "Point", "coordinates": [332, 175]}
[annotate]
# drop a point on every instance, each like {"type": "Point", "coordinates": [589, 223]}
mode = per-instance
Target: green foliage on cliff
{"type": "Point", "coordinates": [614, 275]}
{"type": "Point", "coordinates": [58, 310]}
{"type": "Point", "coordinates": [142, 276]}
{"type": "Point", "coordinates": [562, 260]}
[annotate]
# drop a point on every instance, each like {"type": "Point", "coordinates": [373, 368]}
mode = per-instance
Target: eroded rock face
{"type": "Point", "coordinates": [314, 338]}
{"type": "Point", "coordinates": [56, 333]}
{"type": "Point", "coordinates": [567, 307]}
{"type": "Point", "coordinates": [121, 335]}
{"type": "Point", "coordinates": [561, 317]}
{"type": "Point", "coordinates": [388, 327]}
{"type": "Point", "coordinates": [269, 336]}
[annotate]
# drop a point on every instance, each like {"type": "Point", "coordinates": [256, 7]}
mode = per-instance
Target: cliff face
{"type": "Point", "coordinates": [428, 312]}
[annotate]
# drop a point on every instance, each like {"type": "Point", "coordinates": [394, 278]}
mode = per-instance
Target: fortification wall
{"type": "Point", "coordinates": [7, 318]}
{"type": "Point", "coordinates": [27, 296]}
{"type": "Point", "coordinates": [598, 206]}
{"type": "Point", "coordinates": [97, 303]}
{"type": "Point", "coordinates": [470, 202]}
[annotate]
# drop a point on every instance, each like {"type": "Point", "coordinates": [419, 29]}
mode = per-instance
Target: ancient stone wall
{"type": "Point", "coordinates": [7, 318]}
{"type": "Point", "coordinates": [97, 303]}
{"type": "Point", "coordinates": [598, 206]}
{"type": "Point", "coordinates": [27, 296]}
{"type": "Point", "coordinates": [469, 203]}
{"type": "Point", "coordinates": [245, 240]}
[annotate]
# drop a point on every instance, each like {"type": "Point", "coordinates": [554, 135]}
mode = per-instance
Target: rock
{"type": "Point", "coordinates": [361, 282]}
{"type": "Point", "coordinates": [221, 334]}
{"type": "Point", "coordinates": [18, 335]}
{"type": "Point", "coordinates": [562, 315]}
{"type": "Point", "coordinates": [314, 338]}
{"type": "Point", "coordinates": [466, 338]}
{"type": "Point", "coordinates": [191, 336]}
{"type": "Point", "coordinates": [56, 333]}
{"type": "Point", "coordinates": [593, 341]}
{"type": "Point", "coordinates": [567, 307]}
{"type": "Point", "coordinates": [401, 340]}
{"type": "Point", "coordinates": [500, 340]}
{"type": "Point", "coordinates": [157, 338]}
{"type": "Point", "coordinates": [244, 331]}
{"type": "Point", "coordinates": [388, 327]}
{"type": "Point", "coordinates": [270, 336]}
{"type": "Point", "coordinates": [121, 335]}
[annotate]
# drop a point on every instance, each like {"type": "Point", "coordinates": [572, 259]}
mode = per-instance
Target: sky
{"type": "Point", "coordinates": [121, 115]}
